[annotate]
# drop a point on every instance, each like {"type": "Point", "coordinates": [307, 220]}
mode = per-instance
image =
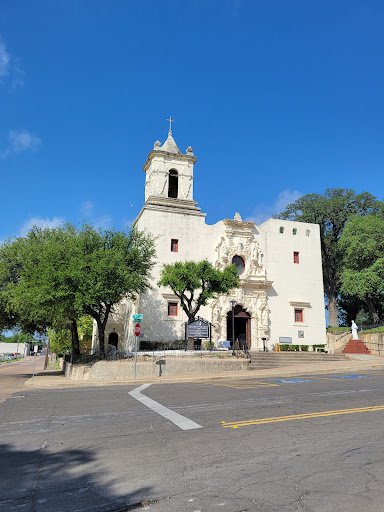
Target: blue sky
{"type": "Point", "coordinates": [277, 98]}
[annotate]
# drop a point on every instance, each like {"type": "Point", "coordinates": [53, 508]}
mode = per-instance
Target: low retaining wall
{"type": "Point", "coordinates": [374, 342]}
{"type": "Point", "coordinates": [124, 369]}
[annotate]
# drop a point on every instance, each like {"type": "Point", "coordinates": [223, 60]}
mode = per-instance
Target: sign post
{"type": "Point", "coordinates": [137, 319]}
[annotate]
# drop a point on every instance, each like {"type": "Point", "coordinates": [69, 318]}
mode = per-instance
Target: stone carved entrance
{"type": "Point", "coordinates": [242, 324]}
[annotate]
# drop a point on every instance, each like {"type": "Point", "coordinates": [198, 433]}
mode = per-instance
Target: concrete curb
{"type": "Point", "coordinates": [60, 381]}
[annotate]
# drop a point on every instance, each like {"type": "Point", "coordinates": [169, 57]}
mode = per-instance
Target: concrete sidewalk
{"type": "Point", "coordinates": [52, 378]}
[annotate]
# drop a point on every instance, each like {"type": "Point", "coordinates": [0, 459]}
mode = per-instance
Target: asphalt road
{"type": "Point", "coordinates": [312, 444]}
{"type": "Point", "coordinates": [15, 373]}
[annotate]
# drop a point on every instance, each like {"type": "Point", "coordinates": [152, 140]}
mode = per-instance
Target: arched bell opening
{"type": "Point", "coordinates": [173, 184]}
{"type": "Point", "coordinates": [242, 321]}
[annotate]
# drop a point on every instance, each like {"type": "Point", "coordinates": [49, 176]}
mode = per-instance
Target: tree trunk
{"type": "Point", "coordinates": [101, 334]}
{"type": "Point", "coordinates": [333, 319]}
{"type": "Point", "coordinates": [372, 310]}
{"type": "Point", "coordinates": [74, 338]}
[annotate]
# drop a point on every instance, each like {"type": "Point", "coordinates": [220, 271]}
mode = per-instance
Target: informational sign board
{"type": "Point", "coordinates": [137, 329]}
{"type": "Point", "coordinates": [285, 341]}
{"type": "Point", "coordinates": [198, 329]}
{"type": "Point", "coordinates": [137, 317]}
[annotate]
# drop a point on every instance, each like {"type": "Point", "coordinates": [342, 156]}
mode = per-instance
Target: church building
{"type": "Point", "coordinates": [280, 297]}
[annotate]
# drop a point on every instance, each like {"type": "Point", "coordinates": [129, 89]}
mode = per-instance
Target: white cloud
{"type": "Point", "coordinates": [86, 209]}
{"type": "Point", "coordinates": [4, 61]}
{"type": "Point", "coordinates": [263, 212]}
{"type": "Point", "coordinates": [10, 70]}
{"type": "Point", "coordinates": [19, 141]}
{"type": "Point", "coordinates": [38, 221]}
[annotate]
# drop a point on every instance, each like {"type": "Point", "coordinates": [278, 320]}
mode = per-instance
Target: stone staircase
{"type": "Point", "coordinates": [264, 360]}
{"type": "Point", "coordinates": [355, 347]}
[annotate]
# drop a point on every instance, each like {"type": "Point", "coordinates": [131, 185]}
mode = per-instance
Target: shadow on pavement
{"type": "Point", "coordinates": [38, 480]}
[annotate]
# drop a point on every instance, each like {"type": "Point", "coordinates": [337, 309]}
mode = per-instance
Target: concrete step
{"type": "Point", "coordinates": [355, 347]}
{"type": "Point", "coordinates": [264, 360]}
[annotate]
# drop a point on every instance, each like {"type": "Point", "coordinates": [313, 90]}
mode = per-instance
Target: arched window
{"type": "Point", "coordinates": [173, 183]}
{"type": "Point", "coordinates": [240, 265]}
{"type": "Point", "coordinates": [294, 231]}
{"type": "Point", "coordinates": [281, 229]}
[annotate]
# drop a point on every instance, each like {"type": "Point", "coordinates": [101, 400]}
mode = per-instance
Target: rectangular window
{"type": "Point", "coordinates": [295, 257]}
{"type": "Point", "coordinates": [172, 308]}
{"type": "Point", "coordinates": [174, 245]}
{"type": "Point", "coordinates": [298, 315]}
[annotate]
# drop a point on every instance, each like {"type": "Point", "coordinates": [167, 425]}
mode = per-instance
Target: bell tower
{"type": "Point", "coordinates": [169, 176]}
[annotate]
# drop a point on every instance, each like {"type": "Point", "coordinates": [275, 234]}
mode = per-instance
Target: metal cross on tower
{"type": "Point", "coordinates": [170, 123]}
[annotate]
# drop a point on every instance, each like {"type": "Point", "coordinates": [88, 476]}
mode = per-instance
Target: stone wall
{"type": "Point", "coordinates": [124, 370]}
{"type": "Point", "coordinates": [374, 342]}
{"type": "Point", "coordinates": [337, 340]}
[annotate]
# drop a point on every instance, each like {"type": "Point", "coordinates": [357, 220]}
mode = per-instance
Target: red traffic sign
{"type": "Point", "coordinates": [137, 329]}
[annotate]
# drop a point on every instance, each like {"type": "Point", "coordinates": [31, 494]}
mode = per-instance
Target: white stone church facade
{"type": "Point", "coordinates": [280, 297]}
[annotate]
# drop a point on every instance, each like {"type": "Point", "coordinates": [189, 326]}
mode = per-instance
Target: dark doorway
{"type": "Point", "coordinates": [113, 339]}
{"type": "Point", "coordinates": [242, 325]}
{"type": "Point", "coordinates": [173, 184]}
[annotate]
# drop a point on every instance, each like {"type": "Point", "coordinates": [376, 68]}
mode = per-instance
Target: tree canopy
{"type": "Point", "coordinates": [53, 277]}
{"type": "Point", "coordinates": [194, 283]}
{"type": "Point", "coordinates": [331, 210]}
{"type": "Point", "coordinates": [362, 246]}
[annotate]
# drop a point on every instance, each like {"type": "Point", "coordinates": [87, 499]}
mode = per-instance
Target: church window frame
{"type": "Point", "coordinates": [304, 307]}
{"type": "Point", "coordinates": [173, 309]}
{"type": "Point", "coordinates": [299, 315]}
{"type": "Point", "coordinates": [174, 245]}
{"type": "Point", "coordinates": [294, 231]}
{"type": "Point", "coordinates": [296, 257]}
{"type": "Point", "coordinates": [281, 229]}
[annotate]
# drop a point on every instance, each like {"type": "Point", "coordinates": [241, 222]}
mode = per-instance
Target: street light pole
{"type": "Point", "coordinates": [233, 302]}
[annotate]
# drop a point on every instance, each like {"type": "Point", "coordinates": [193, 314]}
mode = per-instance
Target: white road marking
{"type": "Point", "coordinates": [179, 420]}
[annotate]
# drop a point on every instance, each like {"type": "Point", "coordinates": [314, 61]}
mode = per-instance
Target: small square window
{"type": "Point", "coordinates": [298, 315]}
{"type": "Point", "coordinates": [172, 308]}
{"type": "Point", "coordinates": [295, 257]}
{"type": "Point", "coordinates": [174, 245]}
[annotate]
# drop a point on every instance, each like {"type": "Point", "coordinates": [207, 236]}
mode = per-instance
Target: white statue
{"type": "Point", "coordinates": [216, 315]}
{"type": "Point", "coordinates": [354, 331]}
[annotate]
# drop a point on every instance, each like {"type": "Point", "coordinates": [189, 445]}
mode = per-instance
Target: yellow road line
{"type": "Point", "coordinates": [303, 416]}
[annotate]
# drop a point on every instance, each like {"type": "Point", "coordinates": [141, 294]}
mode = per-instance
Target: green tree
{"type": "Point", "coordinates": [331, 211]}
{"type": "Point", "coordinates": [194, 283]}
{"type": "Point", "coordinates": [114, 264]}
{"type": "Point", "coordinates": [60, 339]}
{"type": "Point", "coordinates": [362, 245]}
{"type": "Point", "coordinates": [52, 277]}
{"type": "Point", "coordinates": [39, 277]}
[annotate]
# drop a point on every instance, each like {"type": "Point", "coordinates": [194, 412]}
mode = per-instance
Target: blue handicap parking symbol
{"type": "Point", "coordinates": [351, 376]}
{"type": "Point", "coordinates": [293, 381]}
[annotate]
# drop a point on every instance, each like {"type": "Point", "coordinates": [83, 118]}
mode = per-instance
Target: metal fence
{"type": "Point", "coordinates": [156, 352]}
{"type": "Point", "coordinates": [368, 327]}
